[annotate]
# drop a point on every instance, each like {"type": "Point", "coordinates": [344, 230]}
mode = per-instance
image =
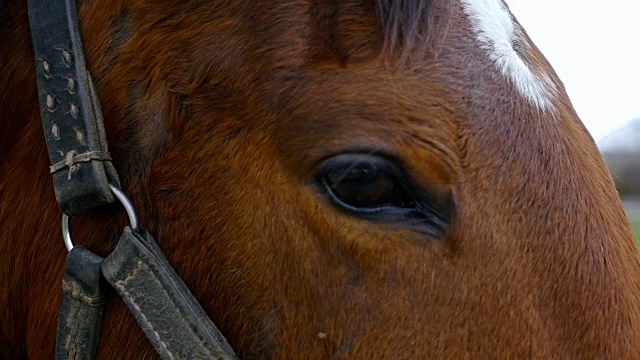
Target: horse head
{"type": "Point", "coordinates": [357, 179]}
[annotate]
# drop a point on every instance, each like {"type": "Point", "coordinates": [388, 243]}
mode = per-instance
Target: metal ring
{"type": "Point", "coordinates": [124, 200]}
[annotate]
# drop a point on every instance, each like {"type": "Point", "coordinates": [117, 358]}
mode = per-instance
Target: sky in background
{"type": "Point", "coordinates": [594, 46]}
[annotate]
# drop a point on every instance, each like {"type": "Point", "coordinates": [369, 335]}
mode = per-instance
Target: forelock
{"type": "Point", "coordinates": [403, 22]}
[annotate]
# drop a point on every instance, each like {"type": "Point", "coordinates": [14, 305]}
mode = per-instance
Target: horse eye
{"type": "Point", "coordinates": [359, 182]}
{"type": "Point", "coordinates": [377, 188]}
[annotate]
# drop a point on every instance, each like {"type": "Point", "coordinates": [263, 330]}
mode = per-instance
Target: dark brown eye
{"type": "Point", "coordinates": [362, 186]}
{"type": "Point", "coordinates": [377, 188]}
{"type": "Point", "coordinates": [365, 182]}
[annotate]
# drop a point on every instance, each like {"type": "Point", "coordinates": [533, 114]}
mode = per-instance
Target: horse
{"type": "Point", "coordinates": [393, 179]}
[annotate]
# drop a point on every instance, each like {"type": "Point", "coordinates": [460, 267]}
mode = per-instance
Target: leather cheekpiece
{"type": "Point", "coordinates": [70, 109]}
{"type": "Point", "coordinates": [82, 307]}
{"type": "Point", "coordinates": [165, 309]}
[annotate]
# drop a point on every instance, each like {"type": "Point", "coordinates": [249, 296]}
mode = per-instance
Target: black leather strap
{"type": "Point", "coordinates": [70, 110]}
{"type": "Point", "coordinates": [169, 315]}
{"type": "Point", "coordinates": [80, 317]}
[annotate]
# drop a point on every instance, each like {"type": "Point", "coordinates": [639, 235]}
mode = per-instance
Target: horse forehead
{"type": "Point", "coordinates": [498, 35]}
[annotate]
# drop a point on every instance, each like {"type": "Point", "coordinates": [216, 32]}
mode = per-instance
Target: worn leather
{"type": "Point", "coordinates": [69, 108]}
{"type": "Point", "coordinates": [170, 316]}
{"type": "Point", "coordinates": [80, 317]}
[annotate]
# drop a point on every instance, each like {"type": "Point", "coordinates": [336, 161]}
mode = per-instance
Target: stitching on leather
{"type": "Point", "coordinates": [120, 286]}
{"type": "Point", "coordinates": [75, 292]}
{"type": "Point", "coordinates": [71, 343]}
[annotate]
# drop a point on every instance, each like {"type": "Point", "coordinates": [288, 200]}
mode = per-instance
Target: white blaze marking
{"type": "Point", "coordinates": [497, 33]}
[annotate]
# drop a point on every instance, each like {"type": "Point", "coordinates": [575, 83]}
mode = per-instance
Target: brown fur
{"type": "Point", "coordinates": [217, 114]}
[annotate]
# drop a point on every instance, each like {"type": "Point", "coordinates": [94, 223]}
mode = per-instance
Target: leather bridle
{"type": "Point", "coordinates": [85, 178]}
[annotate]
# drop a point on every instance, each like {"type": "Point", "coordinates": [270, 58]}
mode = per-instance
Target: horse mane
{"type": "Point", "coordinates": [403, 23]}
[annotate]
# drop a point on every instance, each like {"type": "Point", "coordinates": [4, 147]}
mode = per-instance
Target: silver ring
{"type": "Point", "coordinates": [124, 200]}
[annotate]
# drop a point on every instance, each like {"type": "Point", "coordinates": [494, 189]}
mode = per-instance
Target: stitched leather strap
{"type": "Point", "coordinates": [80, 317]}
{"type": "Point", "coordinates": [169, 315]}
{"type": "Point", "coordinates": [69, 108]}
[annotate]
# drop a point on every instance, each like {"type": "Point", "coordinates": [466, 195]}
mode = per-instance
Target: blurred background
{"type": "Point", "coordinates": [621, 150]}
{"type": "Point", "coordinates": [595, 49]}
